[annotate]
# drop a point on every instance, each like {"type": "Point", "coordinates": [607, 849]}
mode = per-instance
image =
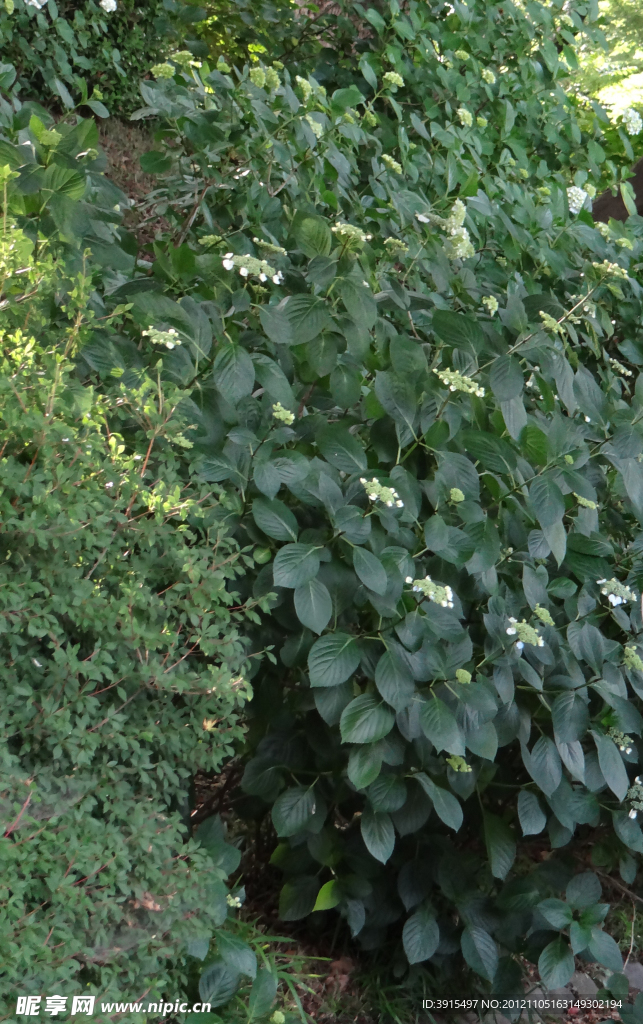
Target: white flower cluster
{"type": "Point", "coordinates": [457, 381]}
{"type": "Point", "coordinates": [250, 265]}
{"type": "Point", "coordinates": [576, 199]}
{"type": "Point", "coordinates": [233, 901]}
{"type": "Point", "coordinates": [621, 739]}
{"type": "Point", "coordinates": [632, 121]}
{"type": "Point", "coordinates": [349, 233]}
{"type": "Point", "coordinates": [635, 796]}
{"type": "Point", "coordinates": [458, 245]}
{"type": "Point", "coordinates": [616, 592]}
{"type": "Point", "coordinates": [38, 4]}
{"type": "Point", "coordinates": [168, 338]}
{"type": "Point", "coordinates": [614, 363]}
{"type": "Point", "coordinates": [283, 415]}
{"type": "Point", "coordinates": [109, 6]}
{"type": "Point", "coordinates": [526, 634]}
{"type": "Point", "coordinates": [378, 492]}
{"type": "Point", "coordinates": [439, 595]}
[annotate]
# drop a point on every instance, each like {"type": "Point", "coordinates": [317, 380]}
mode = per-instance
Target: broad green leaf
{"type": "Point", "coordinates": [480, 951]}
{"type": "Point", "coordinates": [313, 236]}
{"type": "Point", "coordinates": [583, 890]}
{"type": "Point", "coordinates": [333, 659]}
{"type": "Point", "coordinates": [297, 897]}
{"type": "Point", "coordinates": [364, 766]}
{"type": "Point", "coordinates": [493, 452]}
{"type": "Point", "coordinates": [458, 330]}
{"type": "Point", "coordinates": [501, 845]}
{"type": "Point", "coordinates": [506, 379]}
{"type": "Point", "coordinates": [370, 570]}
{"type": "Point", "coordinates": [420, 936]}
{"type": "Point", "coordinates": [293, 810]}
{"type": "Point", "coordinates": [365, 720]}
{"type": "Point", "coordinates": [277, 325]}
{"type": "Point", "coordinates": [447, 806]}
{"type": "Point", "coordinates": [397, 397]}
{"type": "Point", "coordinates": [313, 605]}
{"type": "Point", "coordinates": [605, 950]}
{"type": "Point", "coordinates": [345, 386]}
{"type": "Point", "coordinates": [557, 913]}
{"type": "Point", "coordinates": [532, 817]}
{"type": "Point", "coordinates": [543, 764]}
{"type": "Point", "coordinates": [612, 766]}
{"type": "Point", "coordinates": [341, 449]}
{"type": "Point", "coordinates": [352, 524]}
{"type": "Point", "coordinates": [218, 983]}
{"type": "Point", "coordinates": [556, 964]}
{"type": "Point", "coordinates": [262, 994]}
{"type": "Point", "coordinates": [359, 302]}
{"type": "Point", "coordinates": [308, 317]}
{"type": "Point", "coordinates": [237, 954]}
{"type": "Point", "coordinates": [378, 834]}
{"type": "Point", "coordinates": [275, 519]}
{"type": "Point", "coordinates": [328, 896]}
{"type": "Point", "coordinates": [394, 681]}
{"type": "Point", "coordinates": [547, 501]}
{"type": "Point", "coordinates": [295, 564]}
{"type": "Point", "coordinates": [439, 726]}
{"type": "Point", "coordinates": [233, 373]}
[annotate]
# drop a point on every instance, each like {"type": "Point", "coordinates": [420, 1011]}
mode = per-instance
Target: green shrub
{"type": "Point", "coordinates": [79, 46]}
{"type": "Point", "coordinates": [120, 627]}
{"type": "Point", "coordinates": [432, 417]}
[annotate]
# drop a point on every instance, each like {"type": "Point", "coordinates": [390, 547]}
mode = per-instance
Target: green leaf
{"type": "Point", "coordinates": [313, 605]}
{"type": "Point", "coordinates": [458, 330]}
{"type": "Point", "coordinates": [611, 764]}
{"type": "Point", "coordinates": [547, 501]}
{"type": "Point", "coordinates": [218, 983]}
{"type": "Point", "coordinates": [297, 897]}
{"type": "Point", "coordinates": [364, 766]}
{"type": "Point", "coordinates": [328, 896]}
{"type": "Point", "coordinates": [262, 994]}
{"type": "Point", "coordinates": [447, 806]}
{"type": "Point", "coordinates": [439, 725]}
{"type": "Point", "coordinates": [378, 834]}
{"type": "Point", "coordinates": [557, 913]}
{"type": "Point", "coordinates": [308, 317]}
{"type": "Point", "coordinates": [359, 302]}
{"type": "Point", "coordinates": [345, 386]}
{"type": "Point", "coordinates": [493, 452]}
{"type": "Point", "coordinates": [556, 964]}
{"type": "Point", "coordinates": [275, 519]}
{"type": "Point", "coordinates": [293, 810]}
{"type": "Point", "coordinates": [480, 951]}
{"type": "Point", "coordinates": [332, 659]}
{"type": "Point", "coordinates": [276, 324]}
{"type": "Point", "coordinates": [420, 936]}
{"type": "Point", "coordinates": [506, 379]}
{"type": "Point", "coordinates": [352, 523]}
{"type": "Point", "coordinates": [394, 681]}
{"type": "Point", "coordinates": [313, 236]}
{"type": "Point", "coordinates": [365, 720]}
{"type": "Point", "coordinates": [237, 954]}
{"type": "Point", "coordinates": [583, 890]}
{"type": "Point", "coordinates": [341, 449]}
{"type": "Point", "coordinates": [233, 372]}
{"type": "Point", "coordinates": [544, 765]}
{"type": "Point", "coordinates": [532, 817]}
{"type": "Point", "coordinates": [397, 398]}
{"type": "Point", "coordinates": [295, 564]}
{"type": "Point", "coordinates": [501, 845]}
{"type": "Point", "coordinates": [604, 949]}
{"type": "Point", "coordinates": [155, 162]}
{"type": "Point", "coordinates": [370, 570]}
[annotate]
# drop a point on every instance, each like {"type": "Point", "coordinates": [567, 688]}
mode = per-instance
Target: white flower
{"type": "Point", "coordinates": [632, 121]}
{"type": "Point", "coordinates": [36, 663]}
{"type": "Point", "coordinates": [228, 264]}
{"type": "Point", "coordinates": [109, 6]}
{"type": "Point", "coordinates": [38, 4]}
{"type": "Point", "coordinates": [109, 484]}
{"type": "Point", "coordinates": [576, 199]}
{"type": "Point", "coordinates": [244, 271]}
{"type": "Point", "coordinates": [632, 814]}
{"type": "Point", "coordinates": [278, 277]}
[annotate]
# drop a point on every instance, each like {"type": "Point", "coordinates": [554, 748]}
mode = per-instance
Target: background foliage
{"type": "Point", "coordinates": [411, 359]}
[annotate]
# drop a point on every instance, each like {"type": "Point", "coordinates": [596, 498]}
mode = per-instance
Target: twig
{"type": "Point", "coordinates": [629, 952]}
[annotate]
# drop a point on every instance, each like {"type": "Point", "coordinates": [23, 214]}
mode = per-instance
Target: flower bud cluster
{"type": "Point", "coordinates": [611, 270]}
{"type": "Point", "coordinates": [392, 164]}
{"type": "Point", "coordinates": [164, 70]}
{"type": "Point", "coordinates": [462, 55]}
{"type": "Point", "coordinates": [305, 86]}
{"type": "Point", "coordinates": [283, 415]}
{"type": "Point", "coordinates": [463, 676]}
{"type": "Point", "coordinates": [635, 796]}
{"type": "Point", "coordinates": [585, 502]}
{"type": "Point", "coordinates": [465, 117]}
{"type": "Point", "coordinates": [543, 615]}
{"type": "Point", "coordinates": [391, 80]}
{"type": "Point", "coordinates": [458, 763]}
{"type": "Point", "coordinates": [576, 198]}
{"type": "Point", "coordinates": [274, 250]}
{"type": "Point", "coordinates": [616, 592]}
{"type": "Point", "coordinates": [456, 495]}
{"type": "Point", "coordinates": [621, 739]}
{"type": "Point", "coordinates": [632, 660]}
{"type": "Point", "coordinates": [316, 128]}
{"type": "Point", "coordinates": [439, 595]}
{"type": "Point", "coordinates": [233, 901]}
{"type": "Point", "coordinates": [457, 381]}
{"type": "Point", "coordinates": [526, 634]}
{"type": "Point", "coordinates": [395, 246]}
{"type": "Point", "coordinates": [168, 338]}
{"type": "Point", "coordinates": [491, 304]}
{"type": "Point", "coordinates": [488, 76]}
{"type": "Point", "coordinates": [349, 233]}
{"type": "Point", "coordinates": [614, 363]}
{"type": "Point", "coordinates": [378, 492]}
{"type": "Point", "coordinates": [550, 323]}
